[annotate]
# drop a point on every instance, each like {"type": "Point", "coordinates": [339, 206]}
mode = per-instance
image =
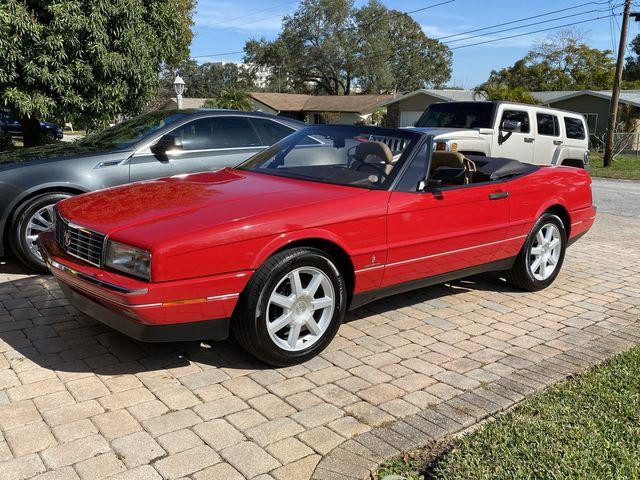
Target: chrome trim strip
{"type": "Point", "coordinates": [224, 297]}
{"type": "Point", "coordinates": [411, 260]}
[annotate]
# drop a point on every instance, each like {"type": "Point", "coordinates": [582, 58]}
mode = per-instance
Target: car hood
{"type": "Point", "coordinates": [150, 213]}
{"type": "Point", "coordinates": [48, 153]}
{"type": "Point", "coordinates": [448, 132]}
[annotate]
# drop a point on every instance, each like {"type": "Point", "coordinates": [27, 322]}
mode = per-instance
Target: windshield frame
{"type": "Point", "coordinates": [492, 116]}
{"type": "Point", "coordinates": [416, 141]}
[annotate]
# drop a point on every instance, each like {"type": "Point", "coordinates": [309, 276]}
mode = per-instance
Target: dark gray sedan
{"type": "Point", "coordinates": [154, 145]}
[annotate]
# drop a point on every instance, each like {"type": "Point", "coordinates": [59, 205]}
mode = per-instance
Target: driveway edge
{"type": "Point", "coordinates": [358, 457]}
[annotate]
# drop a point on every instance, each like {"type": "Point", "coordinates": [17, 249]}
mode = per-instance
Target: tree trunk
{"type": "Point", "coordinates": [31, 135]}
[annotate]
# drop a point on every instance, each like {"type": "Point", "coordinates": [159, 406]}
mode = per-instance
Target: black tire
{"type": "Point", "coordinates": [249, 323]}
{"type": "Point", "coordinates": [17, 237]}
{"type": "Point", "coordinates": [520, 274]}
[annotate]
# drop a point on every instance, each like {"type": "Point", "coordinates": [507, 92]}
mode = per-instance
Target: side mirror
{"type": "Point", "coordinates": [166, 144]}
{"type": "Point", "coordinates": [429, 184]}
{"type": "Point", "coordinates": [511, 127]}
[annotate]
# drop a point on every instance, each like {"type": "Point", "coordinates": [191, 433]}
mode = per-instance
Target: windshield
{"type": "Point", "coordinates": [366, 157]}
{"type": "Point", "coordinates": [458, 115]}
{"type": "Point", "coordinates": [130, 132]}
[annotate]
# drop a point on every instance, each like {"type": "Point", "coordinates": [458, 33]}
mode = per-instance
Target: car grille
{"type": "Point", "coordinates": [79, 242]}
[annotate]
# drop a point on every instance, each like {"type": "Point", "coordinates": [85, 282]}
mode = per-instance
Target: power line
{"type": "Point", "coordinates": [429, 7]}
{"type": "Point", "coordinates": [530, 33]}
{"type": "Point", "coordinates": [250, 15]}
{"type": "Point", "coordinates": [529, 25]}
{"type": "Point", "coordinates": [219, 54]}
{"type": "Point", "coordinates": [523, 19]}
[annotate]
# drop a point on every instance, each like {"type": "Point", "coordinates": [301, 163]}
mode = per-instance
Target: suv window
{"type": "Point", "coordinates": [217, 132]}
{"type": "Point", "coordinates": [517, 116]}
{"type": "Point", "coordinates": [575, 128]}
{"type": "Point", "coordinates": [270, 132]}
{"type": "Point", "coordinates": [548, 125]}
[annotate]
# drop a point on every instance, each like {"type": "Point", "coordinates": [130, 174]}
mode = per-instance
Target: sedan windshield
{"type": "Point", "coordinates": [458, 115]}
{"type": "Point", "coordinates": [366, 157]}
{"type": "Point", "coordinates": [126, 134]}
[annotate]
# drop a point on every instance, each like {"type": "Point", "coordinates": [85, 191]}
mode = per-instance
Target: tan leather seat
{"type": "Point", "coordinates": [375, 152]}
{"type": "Point", "coordinates": [446, 159]}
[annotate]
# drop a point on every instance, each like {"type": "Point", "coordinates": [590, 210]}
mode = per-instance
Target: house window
{"type": "Point", "coordinates": [592, 122]}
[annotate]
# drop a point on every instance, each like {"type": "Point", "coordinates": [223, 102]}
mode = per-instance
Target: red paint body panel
{"type": "Point", "coordinates": [208, 232]}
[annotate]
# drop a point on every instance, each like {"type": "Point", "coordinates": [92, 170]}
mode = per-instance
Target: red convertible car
{"type": "Point", "coordinates": [332, 217]}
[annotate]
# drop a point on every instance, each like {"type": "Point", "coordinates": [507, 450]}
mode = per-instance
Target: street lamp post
{"type": "Point", "coordinates": [178, 86]}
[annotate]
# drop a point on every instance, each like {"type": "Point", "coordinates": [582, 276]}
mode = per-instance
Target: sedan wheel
{"type": "Point", "coordinates": [545, 252]}
{"type": "Point", "coordinates": [540, 259]}
{"type": "Point", "coordinates": [300, 309]}
{"type": "Point", "coordinates": [291, 308]}
{"type": "Point", "coordinates": [34, 217]}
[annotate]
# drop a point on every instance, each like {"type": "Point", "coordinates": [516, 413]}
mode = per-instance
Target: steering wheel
{"type": "Point", "coordinates": [378, 167]}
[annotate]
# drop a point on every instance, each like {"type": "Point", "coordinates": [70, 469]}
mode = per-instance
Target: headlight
{"type": "Point", "coordinates": [127, 259]}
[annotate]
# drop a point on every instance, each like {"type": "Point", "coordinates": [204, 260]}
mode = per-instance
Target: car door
{"type": "Point", "coordinates": [441, 230]}
{"type": "Point", "coordinates": [207, 143]}
{"type": "Point", "coordinates": [519, 145]}
{"type": "Point", "coordinates": [547, 139]}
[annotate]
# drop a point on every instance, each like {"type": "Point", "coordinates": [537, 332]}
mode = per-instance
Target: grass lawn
{"type": "Point", "coordinates": [624, 166]}
{"type": "Point", "coordinates": [585, 428]}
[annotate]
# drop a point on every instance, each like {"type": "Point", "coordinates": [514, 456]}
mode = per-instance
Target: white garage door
{"type": "Point", "coordinates": [409, 118]}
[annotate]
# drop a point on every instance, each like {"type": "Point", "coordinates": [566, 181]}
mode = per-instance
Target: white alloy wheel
{"type": "Point", "coordinates": [300, 309]}
{"type": "Point", "coordinates": [545, 252]}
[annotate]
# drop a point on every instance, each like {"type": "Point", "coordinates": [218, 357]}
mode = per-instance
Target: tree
{"type": "Point", "coordinates": [560, 62]}
{"type": "Point", "coordinates": [86, 60]}
{"type": "Point", "coordinates": [207, 80]}
{"type": "Point", "coordinates": [330, 46]}
{"type": "Point", "coordinates": [493, 91]}
{"type": "Point", "coordinates": [231, 100]}
{"type": "Point", "coordinates": [632, 62]}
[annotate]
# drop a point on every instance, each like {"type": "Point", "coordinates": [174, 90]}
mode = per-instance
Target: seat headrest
{"type": "Point", "coordinates": [446, 159]}
{"type": "Point", "coordinates": [374, 152]}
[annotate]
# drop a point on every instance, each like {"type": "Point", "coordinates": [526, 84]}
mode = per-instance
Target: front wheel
{"type": "Point", "coordinates": [539, 262]}
{"type": "Point", "coordinates": [291, 308]}
{"type": "Point", "coordinates": [33, 218]}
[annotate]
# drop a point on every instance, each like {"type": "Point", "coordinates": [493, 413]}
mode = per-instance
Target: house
{"type": "Point", "coordinates": [593, 104]}
{"type": "Point", "coordinates": [340, 109]}
{"type": "Point", "coordinates": [404, 111]}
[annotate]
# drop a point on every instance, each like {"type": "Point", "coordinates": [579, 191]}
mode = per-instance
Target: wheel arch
{"type": "Point", "coordinates": [331, 246]}
{"type": "Point", "coordinates": [15, 207]}
{"type": "Point", "coordinates": [561, 211]}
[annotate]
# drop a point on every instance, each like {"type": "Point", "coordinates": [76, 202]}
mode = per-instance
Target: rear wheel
{"type": "Point", "coordinates": [540, 260]}
{"type": "Point", "coordinates": [34, 217]}
{"type": "Point", "coordinates": [291, 308]}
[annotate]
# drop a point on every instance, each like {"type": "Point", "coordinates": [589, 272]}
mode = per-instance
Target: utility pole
{"type": "Point", "coordinates": [617, 84]}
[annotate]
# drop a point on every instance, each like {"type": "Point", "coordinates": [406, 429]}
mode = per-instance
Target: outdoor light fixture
{"type": "Point", "coordinates": [178, 86]}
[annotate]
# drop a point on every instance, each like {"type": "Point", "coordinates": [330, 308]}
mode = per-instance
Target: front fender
{"type": "Point", "coordinates": [288, 238]}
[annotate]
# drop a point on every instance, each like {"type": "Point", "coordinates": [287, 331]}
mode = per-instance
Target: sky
{"type": "Point", "coordinates": [223, 26]}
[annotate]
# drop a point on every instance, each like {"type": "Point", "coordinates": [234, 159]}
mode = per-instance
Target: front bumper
{"type": "Point", "coordinates": [183, 310]}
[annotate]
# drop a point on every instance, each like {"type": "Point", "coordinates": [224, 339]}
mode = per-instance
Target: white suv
{"type": "Point", "coordinates": [528, 133]}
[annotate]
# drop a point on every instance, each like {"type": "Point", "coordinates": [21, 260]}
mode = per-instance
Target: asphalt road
{"type": "Point", "coordinates": [619, 197]}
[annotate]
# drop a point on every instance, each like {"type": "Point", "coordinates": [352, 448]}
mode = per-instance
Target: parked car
{"type": "Point", "coordinates": [157, 144]}
{"type": "Point", "coordinates": [12, 127]}
{"type": "Point", "coordinates": [332, 217]}
{"type": "Point", "coordinates": [544, 136]}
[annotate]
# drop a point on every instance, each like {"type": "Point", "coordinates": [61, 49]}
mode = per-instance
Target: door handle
{"type": "Point", "coordinates": [557, 142]}
{"type": "Point", "coordinates": [498, 195]}
{"type": "Point", "coordinates": [529, 139]}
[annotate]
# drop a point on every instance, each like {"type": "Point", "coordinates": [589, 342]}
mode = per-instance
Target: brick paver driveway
{"type": "Point", "coordinates": [78, 400]}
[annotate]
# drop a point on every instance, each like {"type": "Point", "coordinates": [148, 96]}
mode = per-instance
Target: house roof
{"type": "Point", "coordinates": [630, 97]}
{"type": "Point", "coordinates": [295, 102]}
{"type": "Point", "coordinates": [444, 94]}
